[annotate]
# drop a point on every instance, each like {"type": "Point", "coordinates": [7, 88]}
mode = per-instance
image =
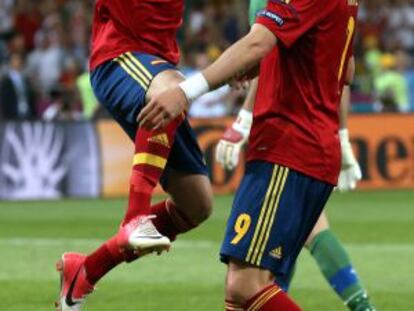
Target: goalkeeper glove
{"type": "Point", "coordinates": [350, 170]}
{"type": "Point", "coordinates": [233, 140]}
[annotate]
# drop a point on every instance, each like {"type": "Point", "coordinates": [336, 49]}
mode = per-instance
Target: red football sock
{"type": "Point", "coordinates": [271, 298]}
{"type": "Point", "coordinates": [103, 260]}
{"type": "Point", "coordinates": [152, 149]}
{"type": "Point", "coordinates": [232, 306]}
{"type": "Point", "coordinates": [170, 221]}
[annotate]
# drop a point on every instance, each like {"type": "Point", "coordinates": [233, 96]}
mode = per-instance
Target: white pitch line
{"type": "Point", "coordinates": [200, 244]}
{"type": "Point", "coordinates": [45, 242]}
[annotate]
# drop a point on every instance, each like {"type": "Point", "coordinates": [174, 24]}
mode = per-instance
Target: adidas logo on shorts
{"type": "Point", "coordinates": [276, 253]}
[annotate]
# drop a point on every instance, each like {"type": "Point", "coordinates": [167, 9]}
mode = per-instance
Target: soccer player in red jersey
{"type": "Point", "coordinates": [294, 154]}
{"type": "Point", "coordinates": [326, 249]}
{"type": "Point", "coordinates": [133, 58]}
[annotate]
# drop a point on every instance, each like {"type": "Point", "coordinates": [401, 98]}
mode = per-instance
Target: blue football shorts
{"type": "Point", "coordinates": [274, 211]}
{"type": "Point", "coordinates": [121, 86]}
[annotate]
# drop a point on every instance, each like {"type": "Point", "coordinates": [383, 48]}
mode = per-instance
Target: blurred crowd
{"type": "Point", "coordinates": [385, 51]}
{"type": "Point", "coordinates": [44, 48]}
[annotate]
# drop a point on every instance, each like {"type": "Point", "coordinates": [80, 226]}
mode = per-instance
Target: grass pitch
{"type": "Point", "coordinates": [376, 227]}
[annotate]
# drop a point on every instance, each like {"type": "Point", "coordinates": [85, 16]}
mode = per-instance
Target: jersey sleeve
{"type": "Point", "coordinates": [289, 20]}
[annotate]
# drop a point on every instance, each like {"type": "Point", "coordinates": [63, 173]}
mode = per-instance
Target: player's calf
{"type": "Point", "coordinates": [190, 205]}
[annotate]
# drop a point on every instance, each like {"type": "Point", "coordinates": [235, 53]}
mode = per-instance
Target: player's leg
{"type": "Point", "coordinates": [186, 174]}
{"type": "Point", "coordinates": [336, 266]}
{"type": "Point", "coordinates": [176, 215]}
{"type": "Point", "coordinates": [183, 212]}
{"type": "Point", "coordinates": [122, 86]}
{"type": "Point", "coordinates": [253, 289]}
{"type": "Point", "coordinates": [185, 179]}
{"type": "Point", "coordinates": [273, 213]}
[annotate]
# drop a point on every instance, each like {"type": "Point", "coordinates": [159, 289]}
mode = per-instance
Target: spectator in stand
{"type": "Point", "coordinates": [372, 57]}
{"type": "Point", "coordinates": [17, 99]}
{"type": "Point", "coordinates": [56, 34]}
{"type": "Point", "coordinates": [45, 63]}
{"type": "Point", "coordinates": [391, 85]}
{"type": "Point", "coordinates": [61, 107]}
{"type": "Point", "coordinates": [14, 42]}
{"type": "Point", "coordinates": [90, 105]}
{"type": "Point", "coordinates": [372, 19]}
{"type": "Point", "coordinates": [27, 21]}
{"type": "Point", "coordinates": [401, 25]}
{"type": "Point", "coordinates": [213, 104]}
{"type": "Point", "coordinates": [6, 16]}
{"type": "Point", "coordinates": [78, 29]}
{"type": "Point", "coordinates": [217, 103]}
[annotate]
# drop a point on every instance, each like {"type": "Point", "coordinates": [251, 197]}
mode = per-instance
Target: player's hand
{"type": "Point", "coordinates": [350, 170]}
{"type": "Point", "coordinates": [233, 140]}
{"type": "Point", "coordinates": [162, 109]}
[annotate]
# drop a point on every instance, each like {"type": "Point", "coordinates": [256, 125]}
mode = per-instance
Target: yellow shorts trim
{"type": "Point", "coordinates": [130, 70]}
{"type": "Point", "coordinates": [267, 215]}
{"type": "Point", "coordinates": [139, 66]}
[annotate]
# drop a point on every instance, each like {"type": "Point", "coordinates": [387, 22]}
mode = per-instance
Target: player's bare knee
{"type": "Point", "coordinates": [235, 291]}
{"type": "Point", "coordinates": [197, 206]}
{"type": "Point", "coordinates": [243, 282]}
{"type": "Point", "coordinates": [205, 209]}
{"type": "Point", "coordinates": [199, 210]}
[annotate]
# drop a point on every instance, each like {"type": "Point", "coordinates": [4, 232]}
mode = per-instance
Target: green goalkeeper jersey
{"type": "Point", "coordinates": [255, 6]}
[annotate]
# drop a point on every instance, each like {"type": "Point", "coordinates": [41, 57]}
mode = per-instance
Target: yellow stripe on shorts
{"type": "Point", "coordinates": [275, 206]}
{"type": "Point", "coordinates": [132, 65]}
{"type": "Point", "coordinates": [130, 70]}
{"type": "Point", "coordinates": [150, 159]}
{"type": "Point", "coordinates": [139, 66]}
{"type": "Point", "coordinates": [263, 212]}
{"type": "Point", "coordinates": [267, 215]}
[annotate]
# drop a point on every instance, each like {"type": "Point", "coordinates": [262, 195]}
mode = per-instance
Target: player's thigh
{"type": "Point", "coordinates": [321, 225]}
{"type": "Point", "coordinates": [191, 193]}
{"type": "Point", "coordinates": [273, 213]}
{"type": "Point", "coordinates": [123, 85]}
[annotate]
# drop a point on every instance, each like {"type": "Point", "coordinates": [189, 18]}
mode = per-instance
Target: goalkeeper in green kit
{"type": "Point", "coordinates": [325, 248]}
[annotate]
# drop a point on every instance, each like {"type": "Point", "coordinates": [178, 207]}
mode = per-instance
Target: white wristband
{"type": "Point", "coordinates": [344, 136]}
{"type": "Point", "coordinates": [245, 119]}
{"type": "Point", "coordinates": [194, 87]}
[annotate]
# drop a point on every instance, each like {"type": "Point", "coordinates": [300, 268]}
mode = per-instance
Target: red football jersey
{"type": "Point", "coordinates": [296, 115]}
{"type": "Point", "coordinates": [145, 26]}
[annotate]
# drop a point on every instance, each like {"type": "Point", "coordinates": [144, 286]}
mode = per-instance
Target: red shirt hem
{"type": "Point", "coordinates": [280, 160]}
